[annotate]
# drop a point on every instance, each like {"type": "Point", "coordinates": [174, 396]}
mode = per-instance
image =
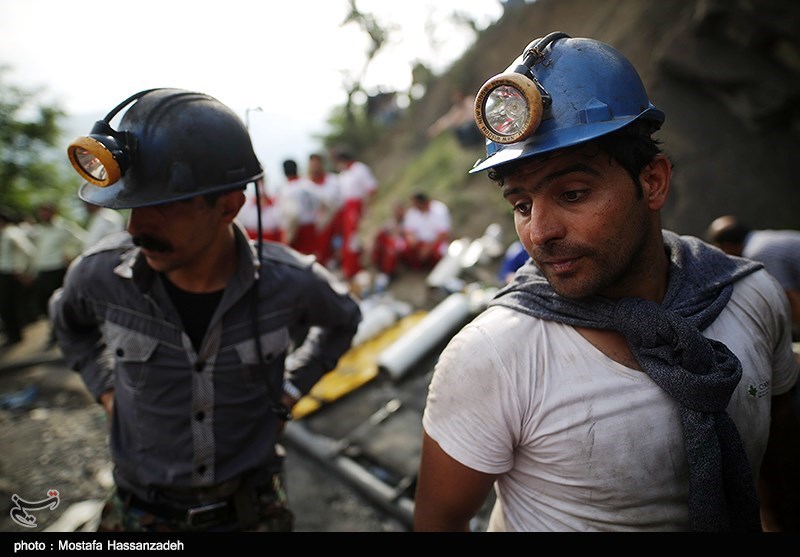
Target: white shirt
{"type": "Point", "coordinates": [103, 222]}
{"type": "Point", "coordinates": [357, 181]}
{"type": "Point", "coordinates": [779, 251]}
{"type": "Point", "coordinates": [330, 196]}
{"type": "Point", "coordinates": [581, 442]}
{"type": "Point", "coordinates": [270, 215]}
{"type": "Point", "coordinates": [57, 243]}
{"type": "Point", "coordinates": [300, 202]}
{"type": "Point", "coordinates": [426, 226]}
{"type": "Point", "coordinates": [16, 250]}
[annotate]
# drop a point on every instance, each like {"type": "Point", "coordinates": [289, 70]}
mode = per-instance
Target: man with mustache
{"type": "Point", "coordinates": [628, 378]}
{"type": "Point", "coordinates": [183, 329]}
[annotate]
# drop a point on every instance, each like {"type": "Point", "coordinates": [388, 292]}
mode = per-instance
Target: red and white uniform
{"type": "Point", "coordinates": [300, 203]}
{"type": "Point", "coordinates": [270, 218]}
{"type": "Point", "coordinates": [357, 183]}
{"type": "Point", "coordinates": [427, 234]}
{"type": "Point", "coordinates": [331, 201]}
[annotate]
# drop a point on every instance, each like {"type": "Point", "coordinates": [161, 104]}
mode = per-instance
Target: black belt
{"type": "Point", "coordinates": [203, 515]}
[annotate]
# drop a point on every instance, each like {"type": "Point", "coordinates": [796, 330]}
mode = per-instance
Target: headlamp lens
{"type": "Point", "coordinates": [508, 108]}
{"type": "Point", "coordinates": [507, 111]}
{"type": "Point", "coordinates": [98, 159]}
{"type": "Point", "coordinates": [90, 164]}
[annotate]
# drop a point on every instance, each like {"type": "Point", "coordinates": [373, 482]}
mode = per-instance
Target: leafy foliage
{"type": "Point", "coordinates": [30, 170]}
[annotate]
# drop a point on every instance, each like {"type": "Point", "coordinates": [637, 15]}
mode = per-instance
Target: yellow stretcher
{"type": "Point", "coordinates": [356, 367]}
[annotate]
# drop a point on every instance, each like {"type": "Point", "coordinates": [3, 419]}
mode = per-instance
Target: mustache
{"type": "Point", "coordinates": [558, 251]}
{"type": "Point", "coordinates": [151, 243]}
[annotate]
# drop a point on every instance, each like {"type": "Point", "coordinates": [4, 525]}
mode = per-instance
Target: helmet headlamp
{"type": "Point", "coordinates": [102, 157]}
{"type": "Point", "coordinates": [560, 92]}
{"type": "Point", "coordinates": [510, 105]}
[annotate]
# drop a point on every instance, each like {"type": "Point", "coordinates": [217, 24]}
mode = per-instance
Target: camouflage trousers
{"type": "Point", "coordinates": [269, 513]}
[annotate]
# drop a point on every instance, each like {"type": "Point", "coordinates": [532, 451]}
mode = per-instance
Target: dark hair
{"type": "Point", "coordinates": [420, 197]}
{"type": "Point", "coordinates": [734, 235]}
{"type": "Point", "coordinates": [727, 230]}
{"type": "Point", "coordinates": [633, 147]}
{"type": "Point", "coordinates": [6, 216]}
{"type": "Point", "coordinates": [290, 167]}
{"type": "Point", "coordinates": [343, 155]}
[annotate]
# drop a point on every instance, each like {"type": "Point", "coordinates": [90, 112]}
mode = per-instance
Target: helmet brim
{"type": "Point", "coordinates": [559, 139]}
{"type": "Point", "coordinates": [117, 196]}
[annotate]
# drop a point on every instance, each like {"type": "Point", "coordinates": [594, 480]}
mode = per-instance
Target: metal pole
{"type": "Point", "coordinates": [247, 116]}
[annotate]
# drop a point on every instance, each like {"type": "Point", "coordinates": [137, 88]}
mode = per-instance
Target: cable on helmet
{"type": "Point", "coordinates": [104, 156]}
{"type": "Point", "coordinates": [510, 105]}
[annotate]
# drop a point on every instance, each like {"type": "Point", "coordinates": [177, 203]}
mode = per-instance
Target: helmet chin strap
{"type": "Point", "coordinates": [275, 403]}
{"type": "Point", "coordinates": [259, 229]}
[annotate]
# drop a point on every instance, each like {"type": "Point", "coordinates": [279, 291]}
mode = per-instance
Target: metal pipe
{"type": "Point", "coordinates": [326, 452]}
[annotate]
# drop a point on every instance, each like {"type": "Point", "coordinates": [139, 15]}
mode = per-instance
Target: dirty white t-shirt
{"type": "Point", "coordinates": [581, 442]}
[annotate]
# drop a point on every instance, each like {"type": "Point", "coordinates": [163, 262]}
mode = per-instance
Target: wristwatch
{"type": "Point", "coordinates": [290, 389]}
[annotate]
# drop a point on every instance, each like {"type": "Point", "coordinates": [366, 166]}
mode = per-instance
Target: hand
{"type": "Point", "coordinates": [107, 402]}
{"type": "Point", "coordinates": [288, 402]}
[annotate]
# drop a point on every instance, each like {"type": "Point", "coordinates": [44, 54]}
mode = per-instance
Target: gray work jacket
{"type": "Point", "coordinates": [191, 418]}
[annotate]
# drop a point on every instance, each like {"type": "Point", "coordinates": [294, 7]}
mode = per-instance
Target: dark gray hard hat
{"type": "Point", "coordinates": [175, 144]}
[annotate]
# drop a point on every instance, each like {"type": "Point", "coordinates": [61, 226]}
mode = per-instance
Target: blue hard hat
{"type": "Point", "coordinates": [589, 88]}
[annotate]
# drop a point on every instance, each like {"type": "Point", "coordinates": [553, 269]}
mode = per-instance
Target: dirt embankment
{"type": "Point", "coordinates": [725, 72]}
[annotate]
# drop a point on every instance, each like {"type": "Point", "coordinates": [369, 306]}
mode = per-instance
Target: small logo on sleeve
{"type": "Point", "coordinates": [758, 391]}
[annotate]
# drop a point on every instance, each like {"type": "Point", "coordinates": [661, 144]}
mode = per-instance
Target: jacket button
{"type": "Point", "coordinates": [199, 416]}
{"type": "Point", "coordinates": [120, 352]}
{"type": "Point", "coordinates": [198, 366]}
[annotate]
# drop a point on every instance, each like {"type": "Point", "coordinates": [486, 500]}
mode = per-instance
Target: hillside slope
{"type": "Point", "coordinates": [727, 74]}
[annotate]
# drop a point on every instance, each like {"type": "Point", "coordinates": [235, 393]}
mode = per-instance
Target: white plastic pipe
{"type": "Point", "coordinates": [377, 317]}
{"type": "Point", "coordinates": [450, 266]}
{"type": "Point", "coordinates": [450, 314]}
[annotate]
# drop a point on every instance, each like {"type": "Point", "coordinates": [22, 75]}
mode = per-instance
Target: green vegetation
{"type": "Point", "coordinates": [30, 169]}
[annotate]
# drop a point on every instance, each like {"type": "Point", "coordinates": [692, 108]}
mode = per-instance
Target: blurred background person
{"type": "Point", "coordinates": [299, 202]}
{"type": "Point", "coordinates": [16, 259]}
{"type": "Point", "coordinates": [330, 197]}
{"type": "Point", "coordinates": [389, 243]}
{"type": "Point", "coordinates": [513, 258]}
{"type": "Point", "coordinates": [426, 231]}
{"type": "Point", "coordinates": [358, 186]}
{"type": "Point", "coordinates": [270, 215]}
{"type": "Point", "coordinates": [460, 119]}
{"type": "Point", "coordinates": [102, 222]}
{"type": "Point", "coordinates": [57, 242]}
{"type": "Point", "coordinates": [778, 250]}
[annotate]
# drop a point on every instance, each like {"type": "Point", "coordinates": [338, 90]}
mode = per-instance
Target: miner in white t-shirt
{"type": "Point", "coordinates": [627, 378]}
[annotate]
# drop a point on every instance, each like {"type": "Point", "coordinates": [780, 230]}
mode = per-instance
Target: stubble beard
{"type": "Point", "coordinates": [613, 268]}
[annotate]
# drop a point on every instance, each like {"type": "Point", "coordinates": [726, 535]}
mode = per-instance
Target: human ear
{"type": "Point", "coordinates": [231, 203]}
{"type": "Point", "coordinates": [655, 179]}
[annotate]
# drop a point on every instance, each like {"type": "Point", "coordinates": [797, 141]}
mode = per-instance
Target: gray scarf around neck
{"type": "Point", "coordinates": [699, 373]}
